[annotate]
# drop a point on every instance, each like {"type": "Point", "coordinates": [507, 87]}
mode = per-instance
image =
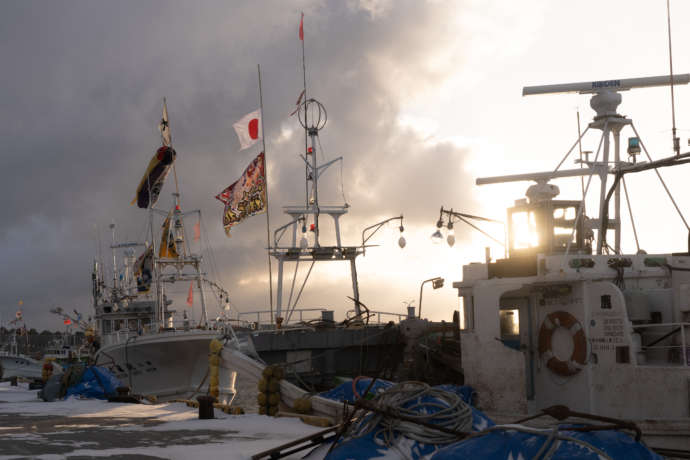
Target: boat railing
{"type": "Point", "coordinates": [375, 316]}
{"type": "Point", "coordinates": [663, 343]}
{"type": "Point", "coordinates": [261, 319]}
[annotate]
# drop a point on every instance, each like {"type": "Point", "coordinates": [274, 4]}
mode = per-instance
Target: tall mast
{"type": "Point", "coordinates": [304, 80]}
{"type": "Point", "coordinates": [268, 223]}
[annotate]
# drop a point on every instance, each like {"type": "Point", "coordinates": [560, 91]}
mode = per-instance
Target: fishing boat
{"type": "Point", "coordinates": [15, 364]}
{"type": "Point", "coordinates": [141, 339]}
{"type": "Point", "coordinates": [568, 318]}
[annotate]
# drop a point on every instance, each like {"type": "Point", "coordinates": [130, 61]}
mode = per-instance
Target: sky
{"type": "Point", "coordinates": [422, 97]}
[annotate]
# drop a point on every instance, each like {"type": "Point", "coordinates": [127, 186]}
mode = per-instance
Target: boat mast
{"type": "Point", "coordinates": [181, 244]}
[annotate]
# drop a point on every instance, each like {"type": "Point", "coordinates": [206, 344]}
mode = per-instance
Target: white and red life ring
{"type": "Point", "coordinates": [578, 358]}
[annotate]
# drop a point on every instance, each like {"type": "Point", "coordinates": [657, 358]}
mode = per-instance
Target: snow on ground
{"type": "Point", "coordinates": [30, 427]}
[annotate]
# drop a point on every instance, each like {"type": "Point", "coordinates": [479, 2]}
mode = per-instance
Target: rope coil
{"type": "Point", "coordinates": [418, 401]}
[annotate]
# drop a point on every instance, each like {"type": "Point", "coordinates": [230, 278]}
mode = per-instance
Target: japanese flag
{"type": "Point", "coordinates": [248, 129]}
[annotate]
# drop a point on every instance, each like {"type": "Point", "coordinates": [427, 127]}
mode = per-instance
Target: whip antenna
{"type": "Point", "coordinates": [676, 141]}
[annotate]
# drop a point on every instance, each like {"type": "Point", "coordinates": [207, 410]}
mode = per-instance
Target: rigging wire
{"type": "Point", "coordinates": [571, 149]}
{"type": "Point", "coordinates": [632, 220]}
{"type": "Point", "coordinates": [589, 182]}
{"type": "Point", "coordinates": [342, 184]}
{"type": "Point", "coordinates": [676, 143]}
{"type": "Point", "coordinates": [658, 174]}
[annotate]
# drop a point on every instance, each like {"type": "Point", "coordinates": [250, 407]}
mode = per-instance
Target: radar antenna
{"type": "Point", "coordinates": [605, 100]}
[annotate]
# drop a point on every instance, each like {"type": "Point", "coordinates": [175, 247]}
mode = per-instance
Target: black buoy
{"type": "Point", "coordinates": [205, 406]}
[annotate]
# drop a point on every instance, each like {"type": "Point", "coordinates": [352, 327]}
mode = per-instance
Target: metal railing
{"type": "Point", "coordinates": [261, 315]}
{"type": "Point", "coordinates": [658, 348]}
{"type": "Point", "coordinates": [378, 314]}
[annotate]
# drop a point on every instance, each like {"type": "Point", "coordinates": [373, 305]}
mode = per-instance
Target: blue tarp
{"type": "Point", "coordinates": [371, 444]}
{"type": "Point", "coordinates": [96, 382]}
{"type": "Point", "coordinates": [502, 444]}
{"type": "Point", "coordinates": [494, 444]}
{"type": "Point", "coordinates": [343, 392]}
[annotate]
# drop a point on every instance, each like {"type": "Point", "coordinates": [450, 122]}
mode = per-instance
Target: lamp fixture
{"type": "Point", "coordinates": [437, 236]}
{"type": "Point", "coordinates": [453, 217]}
{"type": "Point", "coordinates": [401, 241]}
{"type": "Point", "coordinates": [375, 228]}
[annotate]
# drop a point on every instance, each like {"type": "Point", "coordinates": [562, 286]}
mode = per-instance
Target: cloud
{"type": "Point", "coordinates": [83, 86]}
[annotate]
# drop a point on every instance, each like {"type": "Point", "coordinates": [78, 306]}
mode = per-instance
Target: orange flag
{"type": "Point", "coordinates": [190, 295]}
{"type": "Point", "coordinates": [197, 231]}
{"type": "Point", "coordinates": [301, 28]}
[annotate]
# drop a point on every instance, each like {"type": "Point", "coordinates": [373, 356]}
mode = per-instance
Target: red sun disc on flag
{"type": "Point", "coordinates": [254, 128]}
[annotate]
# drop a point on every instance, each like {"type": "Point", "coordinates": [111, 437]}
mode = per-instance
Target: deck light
{"type": "Point", "coordinates": [437, 236]}
{"type": "Point", "coordinates": [368, 232]}
{"type": "Point", "coordinates": [401, 241]}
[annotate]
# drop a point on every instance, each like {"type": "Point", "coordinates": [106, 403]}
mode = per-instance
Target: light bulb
{"type": "Point", "coordinates": [437, 236]}
{"type": "Point", "coordinates": [451, 239]}
{"type": "Point", "coordinates": [402, 242]}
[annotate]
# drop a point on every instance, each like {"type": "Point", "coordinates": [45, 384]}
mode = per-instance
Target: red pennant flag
{"type": "Point", "coordinates": [299, 101]}
{"type": "Point", "coordinates": [190, 295]}
{"type": "Point", "coordinates": [301, 28]}
{"type": "Point", "coordinates": [197, 231]}
{"type": "Point", "coordinates": [67, 322]}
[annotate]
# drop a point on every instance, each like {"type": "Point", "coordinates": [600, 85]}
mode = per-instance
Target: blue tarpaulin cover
{"type": "Point", "coordinates": [495, 443]}
{"type": "Point", "coordinates": [502, 444]}
{"type": "Point", "coordinates": [96, 382]}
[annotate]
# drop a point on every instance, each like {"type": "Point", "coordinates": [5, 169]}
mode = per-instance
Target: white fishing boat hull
{"type": "Point", "coordinates": [167, 365]}
{"type": "Point", "coordinates": [23, 366]}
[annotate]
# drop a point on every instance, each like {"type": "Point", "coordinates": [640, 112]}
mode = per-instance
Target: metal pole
{"type": "Point", "coordinates": [306, 144]}
{"type": "Point", "coordinates": [268, 223]}
{"type": "Point", "coordinates": [617, 196]}
{"type": "Point", "coordinates": [315, 172]}
{"type": "Point", "coordinates": [355, 285]}
{"type": "Point", "coordinates": [603, 175]}
{"type": "Point", "coordinates": [279, 293]}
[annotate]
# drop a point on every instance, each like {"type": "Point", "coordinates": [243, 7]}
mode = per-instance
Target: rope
{"type": "Point", "coordinates": [418, 401]}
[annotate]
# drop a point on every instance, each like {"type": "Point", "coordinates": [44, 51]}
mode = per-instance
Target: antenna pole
{"type": "Point", "coordinates": [306, 142]}
{"type": "Point", "coordinates": [268, 224]}
{"type": "Point", "coordinates": [579, 143]}
{"type": "Point", "coordinates": [676, 141]}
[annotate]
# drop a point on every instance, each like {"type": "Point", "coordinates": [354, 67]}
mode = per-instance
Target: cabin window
{"type": "Point", "coordinates": [117, 324]}
{"type": "Point", "coordinates": [107, 326]}
{"type": "Point", "coordinates": [510, 327]}
{"type": "Point", "coordinates": [524, 227]}
{"type": "Point", "coordinates": [510, 323]}
{"type": "Point", "coordinates": [606, 302]}
{"type": "Point", "coordinates": [623, 355]}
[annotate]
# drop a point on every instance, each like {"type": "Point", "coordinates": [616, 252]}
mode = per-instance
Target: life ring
{"type": "Point", "coordinates": [578, 358]}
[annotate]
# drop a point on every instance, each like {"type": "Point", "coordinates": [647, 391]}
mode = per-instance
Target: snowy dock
{"type": "Point", "coordinates": [89, 428]}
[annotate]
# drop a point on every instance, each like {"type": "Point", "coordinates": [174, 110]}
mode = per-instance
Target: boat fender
{"type": "Point", "coordinates": [578, 358]}
{"type": "Point", "coordinates": [215, 348]}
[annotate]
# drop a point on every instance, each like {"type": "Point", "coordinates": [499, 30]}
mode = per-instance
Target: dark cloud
{"type": "Point", "coordinates": [82, 85]}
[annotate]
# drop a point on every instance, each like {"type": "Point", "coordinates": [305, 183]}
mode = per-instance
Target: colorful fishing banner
{"type": "Point", "coordinates": [151, 184]}
{"type": "Point", "coordinates": [144, 270]}
{"type": "Point", "coordinates": [247, 196]}
{"type": "Point", "coordinates": [168, 249]}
